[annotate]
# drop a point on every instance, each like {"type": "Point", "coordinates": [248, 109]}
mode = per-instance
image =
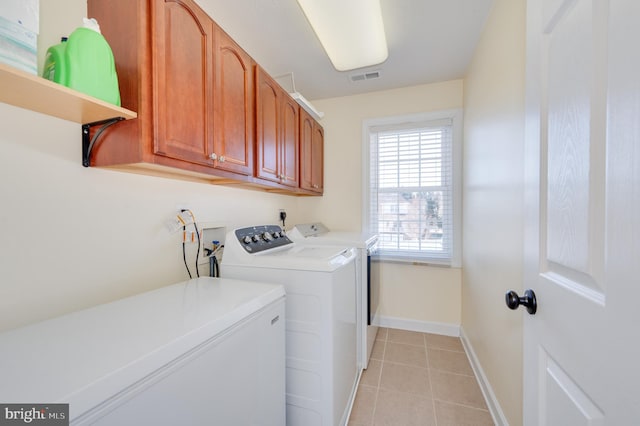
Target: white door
{"type": "Point", "coordinates": [582, 235]}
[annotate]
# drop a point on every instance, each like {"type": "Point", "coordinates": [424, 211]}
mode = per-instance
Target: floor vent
{"type": "Point", "coordinates": [369, 75]}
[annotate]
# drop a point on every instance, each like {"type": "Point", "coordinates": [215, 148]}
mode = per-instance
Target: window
{"type": "Point", "coordinates": [412, 186]}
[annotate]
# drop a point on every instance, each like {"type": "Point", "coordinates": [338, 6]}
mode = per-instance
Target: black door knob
{"type": "Point", "coordinates": [529, 300]}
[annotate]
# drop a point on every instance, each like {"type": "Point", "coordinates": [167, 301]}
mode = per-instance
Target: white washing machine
{"type": "Point", "coordinates": [368, 281]}
{"type": "Point", "coordinates": [321, 346]}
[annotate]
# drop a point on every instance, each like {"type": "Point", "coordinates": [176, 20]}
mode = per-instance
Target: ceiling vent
{"type": "Point", "coordinates": [369, 75]}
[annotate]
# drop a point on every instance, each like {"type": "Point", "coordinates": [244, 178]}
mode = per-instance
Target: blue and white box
{"type": "Point", "coordinates": [19, 28]}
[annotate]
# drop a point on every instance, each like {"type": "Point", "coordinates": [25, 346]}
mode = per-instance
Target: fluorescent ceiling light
{"type": "Point", "coordinates": [288, 83]}
{"type": "Point", "coordinates": [304, 103]}
{"type": "Point", "coordinates": [351, 31]}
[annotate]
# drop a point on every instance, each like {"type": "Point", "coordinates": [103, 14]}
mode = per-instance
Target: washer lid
{"type": "Point", "coordinates": [302, 257]}
{"type": "Point", "coordinates": [309, 252]}
{"type": "Point", "coordinates": [317, 233]}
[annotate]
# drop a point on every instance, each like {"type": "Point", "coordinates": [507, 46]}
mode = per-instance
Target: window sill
{"type": "Point", "coordinates": [413, 261]}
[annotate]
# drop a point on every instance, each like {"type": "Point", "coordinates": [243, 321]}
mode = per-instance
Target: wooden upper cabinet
{"type": "Point", "coordinates": [183, 45]}
{"type": "Point", "coordinates": [206, 111]}
{"type": "Point", "coordinates": [311, 153]}
{"type": "Point", "coordinates": [234, 102]}
{"type": "Point", "coordinates": [290, 138]}
{"type": "Point", "coordinates": [317, 159]}
{"type": "Point", "coordinates": [267, 127]}
{"type": "Point", "coordinates": [163, 52]}
{"type": "Point", "coordinates": [277, 137]}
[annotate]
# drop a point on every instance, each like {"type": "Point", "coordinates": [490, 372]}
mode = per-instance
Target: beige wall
{"type": "Point", "coordinates": [493, 202]}
{"type": "Point", "coordinates": [419, 293]}
{"type": "Point", "coordinates": [75, 237]}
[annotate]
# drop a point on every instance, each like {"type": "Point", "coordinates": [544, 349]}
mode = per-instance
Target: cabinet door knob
{"type": "Point", "coordinates": [213, 156]}
{"type": "Point", "coordinates": [222, 159]}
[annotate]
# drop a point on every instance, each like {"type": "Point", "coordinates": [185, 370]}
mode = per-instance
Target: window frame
{"type": "Point", "coordinates": [419, 120]}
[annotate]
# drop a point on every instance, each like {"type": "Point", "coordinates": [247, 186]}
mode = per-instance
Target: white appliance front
{"type": "Point", "coordinates": [321, 347]}
{"type": "Point", "coordinates": [198, 352]}
{"type": "Point", "coordinates": [368, 283]}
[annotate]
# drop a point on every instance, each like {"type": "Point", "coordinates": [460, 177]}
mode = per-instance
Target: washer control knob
{"type": "Point", "coordinates": [276, 235]}
{"type": "Point", "coordinates": [256, 238]}
{"type": "Point", "coordinates": [267, 236]}
{"type": "Point", "coordinates": [246, 239]}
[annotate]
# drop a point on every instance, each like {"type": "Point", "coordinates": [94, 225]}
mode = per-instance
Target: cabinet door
{"type": "Point", "coordinates": [182, 85]}
{"type": "Point", "coordinates": [268, 94]}
{"type": "Point", "coordinates": [289, 141]}
{"type": "Point", "coordinates": [234, 106]}
{"type": "Point", "coordinates": [311, 153]}
{"type": "Point", "coordinates": [317, 159]}
{"type": "Point", "coordinates": [306, 150]}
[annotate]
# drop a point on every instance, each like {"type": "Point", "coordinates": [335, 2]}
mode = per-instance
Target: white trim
{"type": "Point", "coordinates": [487, 391]}
{"type": "Point", "coordinates": [445, 329]}
{"type": "Point", "coordinates": [364, 165]}
{"type": "Point", "coordinates": [352, 400]}
{"type": "Point", "coordinates": [458, 137]}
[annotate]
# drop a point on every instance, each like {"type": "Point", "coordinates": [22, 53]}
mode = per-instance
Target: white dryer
{"type": "Point", "coordinates": [368, 281]}
{"type": "Point", "coordinates": [321, 347]}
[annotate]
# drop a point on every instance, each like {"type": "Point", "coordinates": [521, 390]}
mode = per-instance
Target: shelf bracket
{"type": "Point", "coordinates": [88, 142]}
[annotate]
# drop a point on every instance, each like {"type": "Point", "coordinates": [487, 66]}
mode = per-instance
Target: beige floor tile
{"type": "Point", "coordinates": [378, 349]}
{"type": "Point", "coordinates": [456, 388]}
{"type": "Point", "coordinates": [402, 409]}
{"type": "Point", "coordinates": [365, 402]}
{"type": "Point", "coordinates": [371, 376]}
{"type": "Point", "coordinates": [459, 415]}
{"type": "Point", "coordinates": [382, 333]}
{"type": "Point", "coordinates": [416, 378]}
{"type": "Point", "coordinates": [451, 361]}
{"type": "Point", "coordinates": [406, 354]}
{"type": "Point", "coordinates": [405, 378]}
{"type": "Point", "coordinates": [443, 342]}
{"type": "Point", "coordinates": [407, 337]}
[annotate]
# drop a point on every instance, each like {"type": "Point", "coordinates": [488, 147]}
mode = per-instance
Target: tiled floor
{"type": "Point", "coordinates": [418, 379]}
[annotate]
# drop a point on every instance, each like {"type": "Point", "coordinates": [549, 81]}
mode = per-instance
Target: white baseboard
{"type": "Point", "coordinates": [445, 329]}
{"type": "Point", "coordinates": [492, 402]}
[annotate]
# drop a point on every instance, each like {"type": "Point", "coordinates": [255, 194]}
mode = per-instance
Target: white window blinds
{"type": "Point", "coordinates": [411, 190]}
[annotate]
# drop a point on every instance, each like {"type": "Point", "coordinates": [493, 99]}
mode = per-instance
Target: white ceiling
{"type": "Point", "coordinates": [428, 40]}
